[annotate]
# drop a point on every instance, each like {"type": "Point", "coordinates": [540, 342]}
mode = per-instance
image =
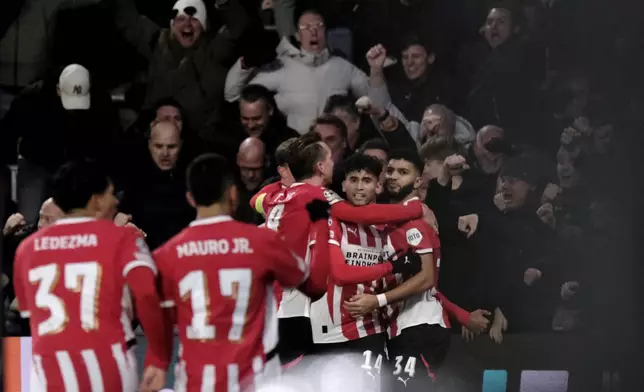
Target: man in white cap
{"type": "Point", "coordinates": [73, 87]}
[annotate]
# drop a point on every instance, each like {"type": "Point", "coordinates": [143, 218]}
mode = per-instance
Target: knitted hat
{"type": "Point", "coordinates": [526, 167]}
{"type": "Point", "coordinates": [194, 8]}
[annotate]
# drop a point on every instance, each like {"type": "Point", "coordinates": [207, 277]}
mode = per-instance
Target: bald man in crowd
{"type": "Point", "coordinates": [164, 144]}
{"type": "Point", "coordinates": [155, 197]}
{"type": "Point", "coordinates": [15, 230]}
{"type": "Point", "coordinates": [251, 159]}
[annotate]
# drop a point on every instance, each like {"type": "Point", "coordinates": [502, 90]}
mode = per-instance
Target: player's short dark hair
{"type": "Point", "coordinates": [74, 184]}
{"type": "Point", "coordinates": [359, 162]}
{"type": "Point", "coordinates": [329, 119]}
{"type": "Point", "coordinates": [374, 144]}
{"type": "Point", "coordinates": [342, 102]}
{"type": "Point", "coordinates": [256, 92]}
{"type": "Point", "coordinates": [283, 151]}
{"type": "Point", "coordinates": [305, 153]}
{"type": "Point", "coordinates": [208, 177]}
{"type": "Point", "coordinates": [409, 155]}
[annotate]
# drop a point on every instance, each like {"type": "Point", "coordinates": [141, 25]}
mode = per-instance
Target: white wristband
{"type": "Point", "coordinates": [382, 300]}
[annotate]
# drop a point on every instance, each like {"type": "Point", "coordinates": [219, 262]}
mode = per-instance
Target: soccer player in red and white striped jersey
{"type": "Point", "coordinates": [358, 246]}
{"type": "Point", "coordinates": [218, 276]}
{"type": "Point", "coordinates": [73, 280]}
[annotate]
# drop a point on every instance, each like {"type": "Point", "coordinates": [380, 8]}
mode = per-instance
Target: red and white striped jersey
{"type": "Point", "coordinates": [70, 280]}
{"type": "Point", "coordinates": [219, 275]}
{"type": "Point", "coordinates": [421, 308]}
{"type": "Point", "coordinates": [330, 322]}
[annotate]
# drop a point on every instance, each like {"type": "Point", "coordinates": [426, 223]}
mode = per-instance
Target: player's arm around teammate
{"type": "Point", "coordinates": [362, 304]}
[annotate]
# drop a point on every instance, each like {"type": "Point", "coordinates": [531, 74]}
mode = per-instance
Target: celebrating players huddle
{"type": "Point", "coordinates": [325, 276]}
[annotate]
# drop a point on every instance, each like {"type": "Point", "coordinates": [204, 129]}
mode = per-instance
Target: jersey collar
{"type": "Point", "coordinates": [211, 220]}
{"type": "Point", "coordinates": [74, 219]}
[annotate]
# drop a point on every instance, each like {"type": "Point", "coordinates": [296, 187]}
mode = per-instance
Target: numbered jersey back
{"type": "Point", "coordinates": [286, 213]}
{"type": "Point", "coordinates": [219, 274]}
{"type": "Point", "coordinates": [70, 282]}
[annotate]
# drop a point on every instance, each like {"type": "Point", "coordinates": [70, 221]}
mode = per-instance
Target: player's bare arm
{"type": "Point", "coordinates": [424, 280]}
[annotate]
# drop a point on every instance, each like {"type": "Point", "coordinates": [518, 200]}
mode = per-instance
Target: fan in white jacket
{"type": "Point", "coordinates": [304, 78]}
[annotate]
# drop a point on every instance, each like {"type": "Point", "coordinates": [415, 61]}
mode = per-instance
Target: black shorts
{"type": "Point", "coordinates": [296, 338]}
{"type": "Point", "coordinates": [372, 350]}
{"type": "Point", "coordinates": [415, 355]}
{"type": "Point", "coordinates": [374, 343]}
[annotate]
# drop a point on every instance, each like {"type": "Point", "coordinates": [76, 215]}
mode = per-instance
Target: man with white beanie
{"type": "Point", "coordinates": [189, 60]}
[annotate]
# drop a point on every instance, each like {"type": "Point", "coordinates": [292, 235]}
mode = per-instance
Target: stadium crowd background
{"type": "Point", "coordinates": [548, 92]}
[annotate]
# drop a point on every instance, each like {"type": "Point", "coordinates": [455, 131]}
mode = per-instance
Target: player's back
{"type": "Point", "coordinates": [286, 213]}
{"type": "Point", "coordinates": [219, 273]}
{"type": "Point", "coordinates": [70, 281]}
{"type": "Point", "coordinates": [76, 293]}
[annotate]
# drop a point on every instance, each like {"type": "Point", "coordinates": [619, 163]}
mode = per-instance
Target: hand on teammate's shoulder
{"type": "Point", "coordinates": [318, 210]}
{"type": "Point", "coordinates": [408, 264]}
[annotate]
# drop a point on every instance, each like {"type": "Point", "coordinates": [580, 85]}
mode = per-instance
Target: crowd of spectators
{"type": "Point", "coordinates": [520, 122]}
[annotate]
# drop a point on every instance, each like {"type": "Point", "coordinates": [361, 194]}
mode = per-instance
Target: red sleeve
{"type": "Point", "coordinates": [166, 286]}
{"type": "Point", "coordinates": [315, 286]}
{"type": "Point", "coordinates": [142, 282]}
{"type": "Point", "coordinates": [257, 201]}
{"type": "Point", "coordinates": [421, 237]}
{"type": "Point", "coordinates": [341, 272]}
{"type": "Point", "coordinates": [461, 315]}
{"type": "Point", "coordinates": [376, 214]}
{"type": "Point", "coordinates": [19, 280]}
{"type": "Point", "coordinates": [289, 269]}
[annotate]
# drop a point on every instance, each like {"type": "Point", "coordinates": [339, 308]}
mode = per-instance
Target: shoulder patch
{"type": "Point", "coordinates": [331, 196]}
{"type": "Point", "coordinates": [414, 237]}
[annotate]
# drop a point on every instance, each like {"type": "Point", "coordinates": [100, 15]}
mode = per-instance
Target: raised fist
{"type": "Point", "coordinates": [550, 193]}
{"type": "Point", "coordinates": [547, 215]}
{"type": "Point", "coordinates": [456, 164]}
{"type": "Point", "coordinates": [14, 223]}
{"type": "Point", "coordinates": [376, 56]}
{"type": "Point", "coordinates": [468, 224]}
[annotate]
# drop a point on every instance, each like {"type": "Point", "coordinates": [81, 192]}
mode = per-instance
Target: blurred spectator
{"type": "Point", "coordinates": [517, 267]}
{"type": "Point", "coordinates": [504, 86]}
{"type": "Point", "coordinates": [376, 148]}
{"type": "Point", "coordinates": [438, 121]}
{"type": "Point", "coordinates": [333, 132]}
{"type": "Point", "coordinates": [155, 195]}
{"type": "Point", "coordinates": [304, 76]}
{"type": "Point", "coordinates": [15, 230]}
{"type": "Point", "coordinates": [187, 61]}
{"type": "Point", "coordinates": [251, 160]}
{"type": "Point", "coordinates": [259, 118]}
{"type": "Point", "coordinates": [56, 120]}
{"type": "Point", "coordinates": [420, 84]}
{"type": "Point", "coordinates": [359, 128]}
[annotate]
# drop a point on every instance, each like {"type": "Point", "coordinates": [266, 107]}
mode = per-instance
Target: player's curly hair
{"type": "Point", "coordinates": [359, 162]}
